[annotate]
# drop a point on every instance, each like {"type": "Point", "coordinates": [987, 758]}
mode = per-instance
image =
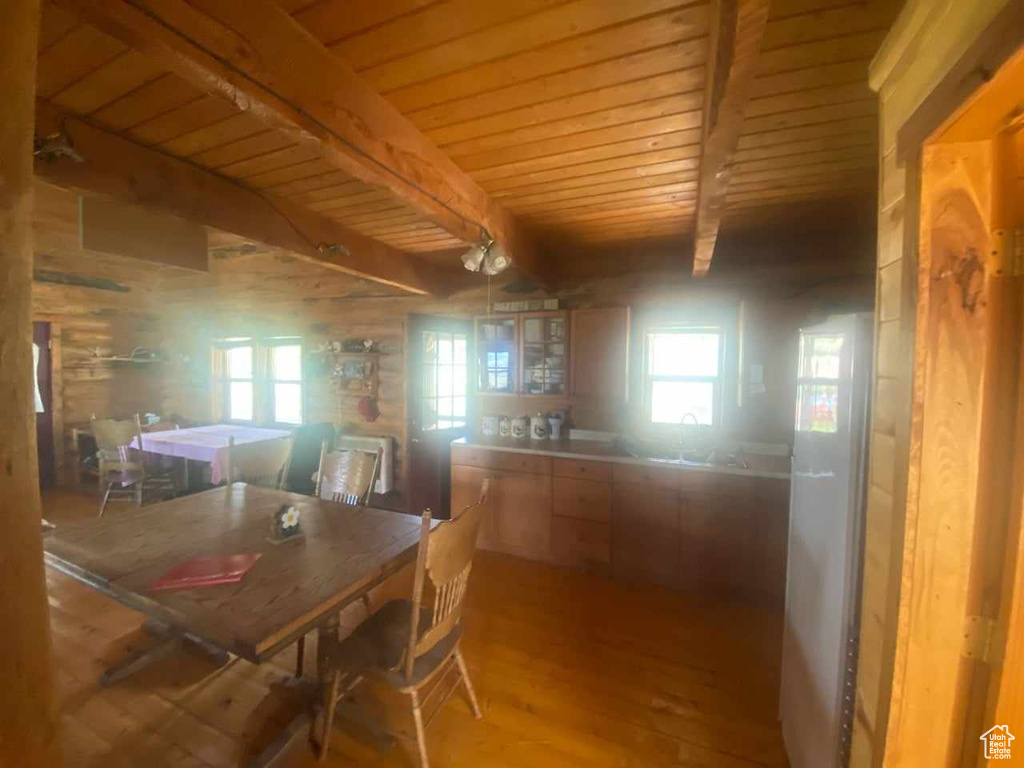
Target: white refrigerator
{"type": "Point", "coordinates": [826, 534]}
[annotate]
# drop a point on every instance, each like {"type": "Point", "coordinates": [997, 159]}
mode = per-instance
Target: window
{"type": "Point", "coordinates": [817, 388]}
{"type": "Point", "coordinates": [444, 380]}
{"type": "Point", "coordinates": [241, 384]}
{"type": "Point", "coordinates": [259, 380]}
{"type": "Point", "coordinates": [286, 377]}
{"type": "Point", "coordinates": [682, 374]}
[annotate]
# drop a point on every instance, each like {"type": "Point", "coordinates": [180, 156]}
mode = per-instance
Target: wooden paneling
{"type": "Point", "coordinates": [582, 95]}
{"type": "Point", "coordinates": [135, 174]}
{"type": "Point", "coordinates": [94, 321]}
{"type": "Point", "coordinates": [348, 120]}
{"type": "Point", "coordinates": [911, 63]}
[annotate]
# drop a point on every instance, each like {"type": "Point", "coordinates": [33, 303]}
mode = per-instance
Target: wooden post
{"type": "Point", "coordinates": [27, 723]}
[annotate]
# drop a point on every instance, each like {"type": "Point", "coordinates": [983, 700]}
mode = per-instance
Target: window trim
{"type": "Point", "coordinates": [270, 344]}
{"type": "Point", "coordinates": [648, 379]}
{"type": "Point", "coordinates": [263, 381]}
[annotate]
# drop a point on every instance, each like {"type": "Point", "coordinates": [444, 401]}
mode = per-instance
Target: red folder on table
{"type": "Point", "coordinates": [207, 571]}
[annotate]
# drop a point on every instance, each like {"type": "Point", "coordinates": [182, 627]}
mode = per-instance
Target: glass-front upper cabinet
{"type": "Point", "coordinates": [545, 353]}
{"type": "Point", "coordinates": [497, 351]}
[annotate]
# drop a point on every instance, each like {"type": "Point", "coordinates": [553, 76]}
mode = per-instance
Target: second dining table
{"type": "Point", "coordinates": [207, 444]}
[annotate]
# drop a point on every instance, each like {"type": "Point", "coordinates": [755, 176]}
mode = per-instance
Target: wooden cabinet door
{"type": "Point", "coordinates": [523, 505]}
{"type": "Point", "coordinates": [580, 543]}
{"type": "Point", "coordinates": [772, 522]}
{"type": "Point", "coordinates": [645, 533]}
{"type": "Point", "coordinates": [719, 546]}
{"type": "Point", "coordinates": [600, 353]}
{"type": "Point", "coordinates": [466, 483]}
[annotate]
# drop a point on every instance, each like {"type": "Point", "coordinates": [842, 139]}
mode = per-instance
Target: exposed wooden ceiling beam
{"type": "Point", "coordinates": [735, 46]}
{"type": "Point", "coordinates": [254, 54]}
{"type": "Point", "coordinates": [130, 172]}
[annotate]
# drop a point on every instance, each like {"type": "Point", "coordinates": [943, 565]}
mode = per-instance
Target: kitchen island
{"type": "Point", "coordinates": [584, 503]}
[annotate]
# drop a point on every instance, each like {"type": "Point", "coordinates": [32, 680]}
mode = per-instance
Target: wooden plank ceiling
{"type": "Point", "coordinates": [581, 117]}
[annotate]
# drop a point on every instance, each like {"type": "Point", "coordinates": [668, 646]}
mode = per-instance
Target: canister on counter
{"type": "Point", "coordinates": [520, 426]}
{"type": "Point", "coordinates": [504, 426]}
{"type": "Point", "coordinates": [539, 427]}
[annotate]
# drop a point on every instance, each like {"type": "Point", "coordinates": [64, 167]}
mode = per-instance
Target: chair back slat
{"type": "Point", "coordinates": [113, 442]}
{"type": "Point", "coordinates": [264, 463]}
{"type": "Point", "coordinates": [347, 476]}
{"type": "Point", "coordinates": [445, 560]}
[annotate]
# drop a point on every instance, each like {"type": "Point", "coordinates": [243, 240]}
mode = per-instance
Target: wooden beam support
{"type": "Point", "coordinates": [130, 172]}
{"type": "Point", "coordinates": [254, 54]}
{"type": "Point", "coordinates": [27, 718]}
{"type": "Point", "coordinates": [735, 47]}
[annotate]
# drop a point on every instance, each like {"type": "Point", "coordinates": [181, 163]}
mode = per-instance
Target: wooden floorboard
{"type": "Point", "coordinates": [572, 669]}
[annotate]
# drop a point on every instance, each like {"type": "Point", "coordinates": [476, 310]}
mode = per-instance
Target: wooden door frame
{"type": "Point", "coordinates": [472, 416]}
{"type": "Point", "coordinates": [950, 627]}
{"type": "Point", "coordinates": [56, 390]}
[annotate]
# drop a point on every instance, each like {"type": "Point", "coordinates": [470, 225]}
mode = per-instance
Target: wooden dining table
{"type": "Point", "coordinates": [296, 586]}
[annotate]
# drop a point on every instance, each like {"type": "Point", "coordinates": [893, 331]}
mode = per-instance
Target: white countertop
{"type": "Point", "coordinates": [766, 465]}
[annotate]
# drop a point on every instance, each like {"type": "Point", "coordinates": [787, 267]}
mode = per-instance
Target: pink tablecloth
{"type": "Point", "coordinates": [208, 444]}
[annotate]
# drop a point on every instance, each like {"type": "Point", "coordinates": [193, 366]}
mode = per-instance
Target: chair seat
{"type": "Point", "coordinates": [379, 645]}
{"type": "Point", "coordinates": [125, 478]}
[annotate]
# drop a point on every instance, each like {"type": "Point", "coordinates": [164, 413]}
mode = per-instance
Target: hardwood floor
{"type": "Point", "coordinates": [571, 670]}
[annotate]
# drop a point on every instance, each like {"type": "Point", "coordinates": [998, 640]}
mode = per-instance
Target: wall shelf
{"type": "Point", "coordinates": [125, 359]}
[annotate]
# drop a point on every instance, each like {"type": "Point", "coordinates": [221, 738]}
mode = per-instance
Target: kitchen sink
{"type": "Point", "coordinates": [693, 457]}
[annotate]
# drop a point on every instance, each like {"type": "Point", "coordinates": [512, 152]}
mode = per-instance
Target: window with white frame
{"type": "Point", "coordinates": [259, 380]}
{"type": "Point", "coordinates": [682, 374]}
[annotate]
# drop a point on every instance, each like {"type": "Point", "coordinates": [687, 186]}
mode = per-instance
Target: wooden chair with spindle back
{"type": "Point", "coordinates": [413, 645]}
{"type": "Point", "coordinates": [264, 463]}
{"type": "Point", "coordinates": [123, 472]}
{"type": "Point", "coordinates": [348, 476]}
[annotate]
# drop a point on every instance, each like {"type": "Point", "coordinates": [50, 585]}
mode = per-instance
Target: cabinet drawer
{"type": "Point", "coordinates": [468, 456]}
{"type": "Point", "coordinates": [580, 542]}
{"type": "Point", "coordinates": [655, 477]}
{"type": "Point", "coordinates": [588, 470]}
{"type": "Point", "coordinates": [582, 499]}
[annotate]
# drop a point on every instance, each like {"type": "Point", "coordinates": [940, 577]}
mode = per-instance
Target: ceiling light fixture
{"type": "Point", "coordinates": [489, 258]}
{"type": "Point", "coordinates": [473, 258]}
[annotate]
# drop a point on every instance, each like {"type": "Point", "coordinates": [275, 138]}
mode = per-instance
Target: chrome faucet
{"type": "Point", "coordinates": [682, 433]}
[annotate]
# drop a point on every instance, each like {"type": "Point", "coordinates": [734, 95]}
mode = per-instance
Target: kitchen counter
{"type": "Point", "coordinates": [584, 503]}
{"type": "Point", "coordinates": [769, 466]}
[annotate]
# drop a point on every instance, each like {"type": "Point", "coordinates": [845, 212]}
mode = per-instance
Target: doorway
{"type": "Point", "coordinates": [43, 373]}
{"type": "Point", "coordinates": [438, 406]}
{"type": "Point", "coordinates": [960, 641]}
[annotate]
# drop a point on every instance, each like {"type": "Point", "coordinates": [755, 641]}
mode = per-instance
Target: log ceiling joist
{"type": "Point", "coordinates": [736, 38]}
{"type": "Point", "coordinates": [255, 55]}
{"type": "Point", "coordinates": [130, 172]}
